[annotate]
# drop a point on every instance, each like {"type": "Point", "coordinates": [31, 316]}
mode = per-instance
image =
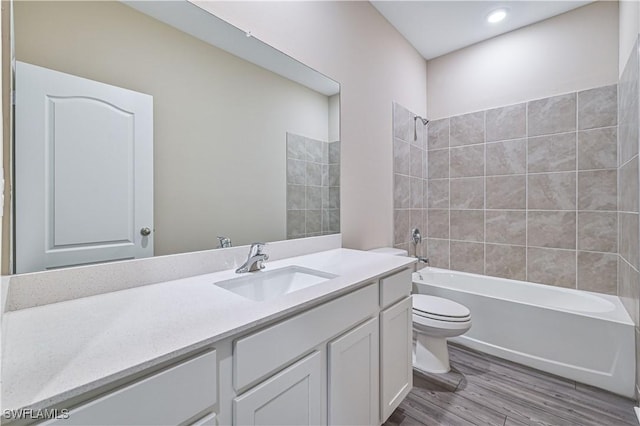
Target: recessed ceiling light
{"type": "Point", "coordinates": [496, 16]}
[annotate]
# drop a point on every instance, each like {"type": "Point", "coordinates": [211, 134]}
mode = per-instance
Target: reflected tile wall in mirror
{"type": "Point", "coordinates": [313, 187]}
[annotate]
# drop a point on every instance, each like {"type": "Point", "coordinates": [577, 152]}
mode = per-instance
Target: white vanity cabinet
{"type": "Point", "coordinates": [353, 376]}
{"type": "Point", "coordinates": [344, 362]}
{"type": "Point", "coordinates": [182, 394]}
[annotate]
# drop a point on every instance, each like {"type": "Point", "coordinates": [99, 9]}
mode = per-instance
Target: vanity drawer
{"type": "Point", "coordinates": [171, 396]}
{"type": "Point", "coordinates": [258, 355]}
{"type": "Point", "coordinates": [395, 287]}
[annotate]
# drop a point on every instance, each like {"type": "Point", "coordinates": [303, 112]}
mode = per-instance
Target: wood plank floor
{"type": "Point", "coordinates": [485, 390]}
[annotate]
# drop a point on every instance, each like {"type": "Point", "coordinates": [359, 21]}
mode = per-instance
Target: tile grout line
{"type": "Point", "coordinates": [577, 185]}
{"type": "Point", "coordinates": [526, 192]}
{"type": "Point", "coordinates": [484, 201]}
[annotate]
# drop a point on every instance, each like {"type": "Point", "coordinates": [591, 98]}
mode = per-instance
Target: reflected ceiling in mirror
{"type": "Point", "coordinates": [224, 106]}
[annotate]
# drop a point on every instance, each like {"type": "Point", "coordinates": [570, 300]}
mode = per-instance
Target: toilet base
{"type": "Point", "coordinates": [431, 354]}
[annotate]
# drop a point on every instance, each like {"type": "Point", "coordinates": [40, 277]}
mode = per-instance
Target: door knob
{"type": "Point", "coordinates": [145, 231]}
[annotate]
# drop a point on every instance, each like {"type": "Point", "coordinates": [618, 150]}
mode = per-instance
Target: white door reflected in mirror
{"type": "Point", "coordinates": [84, 171]}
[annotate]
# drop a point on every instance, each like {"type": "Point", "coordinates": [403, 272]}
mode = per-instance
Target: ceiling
{"type": "Point", "coordinates": [435, 28]}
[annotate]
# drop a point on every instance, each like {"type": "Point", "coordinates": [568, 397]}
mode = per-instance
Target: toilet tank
{"type": "Point", "coordinates": [391, 251]}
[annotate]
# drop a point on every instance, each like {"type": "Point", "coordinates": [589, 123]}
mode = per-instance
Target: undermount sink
{"type": "Point", "coordinates": [267, 285]}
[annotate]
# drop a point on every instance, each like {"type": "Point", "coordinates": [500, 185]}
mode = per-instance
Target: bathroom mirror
{"type": "Point", "coordinates": [242, 141]}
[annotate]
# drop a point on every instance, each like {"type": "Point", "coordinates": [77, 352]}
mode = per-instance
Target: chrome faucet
{"type": "Point", "coordinates": [224, 242]}
{"type": "Point", "coordinates": [254, 260]}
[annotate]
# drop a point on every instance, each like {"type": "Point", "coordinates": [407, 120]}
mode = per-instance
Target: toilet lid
{"type": "Point", "coordinates": [438, 306]}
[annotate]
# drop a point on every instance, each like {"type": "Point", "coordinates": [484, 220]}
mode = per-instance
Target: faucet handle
{"type": "Point", "coordinates": [258, 247]}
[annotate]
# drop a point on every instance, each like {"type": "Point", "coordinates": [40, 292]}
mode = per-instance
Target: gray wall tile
{"type": "Point", "coordinates": [438, 223]}
{"type": "Point", "coordinates": [334, 220]}
{"type": "Point", "coordinates": [467, 257]}
{"type": "Point", "coordinates": [506, 261]}
{"type": "Point", "coordinates": [598, 107]}
{"type": "Point", "coordinates": [467, 225]}
{"type": "Point", "coordinates": [296, 223]}
{"type": "Point", "coordinates": [628, 108]}
{"type": "Point", "coordinates": [417, 195]}
{"type": "Point", "coordinates": [296, 171]}
{"type": "Point", "coordinates": [597, 272]}
{"type": "Point", "coordinates": [467, 129]}
{"type": "Point", "coordinates": [553, 153]}
{"type": "Point", "coordinates": [598, 148]}
{"type": "Point", "coordinates": [552, 266]}
{"type": "Point", "coordinates": [314, 174]}
{"type": "Point", "coordinates": [402, 123]}
{"type": "Point", "coordinates": [506, 157]}
{"type": "Point", "coordinates": [417, 165]}
{"type": "Point", "coordinates": [556, 229]}
{"type": "Point", "coordinates": [628, 238]}
{"type": "Point", "coordinates": [467, 161]}
{"type": "Point", "coordinates": [296, 195]}
{"type": "Point", "coordinates": [313, 199]}
{"type": "Point", "coordinates": [438, 134]}
{"type": "Point", "coordinates": [334, 152]}
{"type": "Point", "coordinates": [402, 192]}
{"type": "Point", "coordinates": [629, 289]}
{"type": "Point", "coordinates": [629, 186]}
{"type": "Point", "coordinates": [438, 252]}
{"type": "Point", "coordinates": [598, 231]}
{"type": "Point", "coordinates": [438, 193]}
{"type": "Point", "coordinates": [438, 164]}
{"type": "Point", "coordinates": [597, 190]}
{"type": "Point", "coordinates": [467, 193]}
{"type": "Point", "coordinates": [508, 122]}
{"type": "Point", "coordinates": [402, 228]}
{"type": "Point", "coordinates": [416, 219]}
{"type": "Point", "coordinates": [552, 115]}
{"type": "Point", "coordinates": [506, 227]}
{"type": "Point", "coordinates": [296, 148]}
{"type": "Point", "coordinates": [506, 192]}
{"type": "Point", "coordinates": [334, 174]}
{"type": "Point", "coordinates": [315, 151]}
{"type": "Point", "coordinates": [334, 197]}
{"type": "Point", "coordinates": [313, 221]}
{"type": "Point", "coordinates": [401, 157]}
{"type": "Point", "coordinates": [552, 191]}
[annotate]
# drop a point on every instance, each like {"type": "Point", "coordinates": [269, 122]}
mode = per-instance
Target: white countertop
{"type": "Point", "coordinates": [55, 352]}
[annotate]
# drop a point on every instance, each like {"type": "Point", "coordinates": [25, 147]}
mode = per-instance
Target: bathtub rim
{"type": "Point", "coordinates": [620, 312]}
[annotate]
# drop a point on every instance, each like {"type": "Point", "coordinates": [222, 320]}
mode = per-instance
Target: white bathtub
{"type": "Point", "coordinates": [583, 336]}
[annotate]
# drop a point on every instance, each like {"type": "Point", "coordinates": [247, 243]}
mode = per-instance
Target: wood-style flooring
{"type": "Point", "coordinates": [485, 390]}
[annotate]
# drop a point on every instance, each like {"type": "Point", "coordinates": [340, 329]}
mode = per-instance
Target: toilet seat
{"type": "Point", "coordinates": [439, 309]}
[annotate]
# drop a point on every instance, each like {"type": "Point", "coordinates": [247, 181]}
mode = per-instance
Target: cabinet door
{"type": "Point", "coordinates": [395, 353]}
{"type": "Point", "coordinates": [353, 376]}
{"type": "Point", "coordinates": [291, 397]}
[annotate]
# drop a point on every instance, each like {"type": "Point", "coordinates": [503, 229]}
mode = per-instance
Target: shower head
{"type": "Point", "coordinates": [424, 120]}
{"type": "Point", "coordinates": [415, 125]}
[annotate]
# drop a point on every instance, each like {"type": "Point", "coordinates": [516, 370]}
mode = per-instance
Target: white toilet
{"type": "Point", "coordinates": [434, 321]}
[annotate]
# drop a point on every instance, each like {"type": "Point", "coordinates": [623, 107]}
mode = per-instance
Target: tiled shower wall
{"type": "Point", "coordinates": [313, 187]}
{"type": "Point", "coordinates": [628, 233]}
{"type": "Point", "coordinates": [410, 179]}
{"type": "Point", "coordinates": [526, 191]}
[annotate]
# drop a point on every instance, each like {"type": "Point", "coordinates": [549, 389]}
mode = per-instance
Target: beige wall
{"type": "Point", "coordinates": [220, 123]}
{"type": "Point", "coordinates": [573, 51]}
{"type": "Point", "coordinates": [353, 44]}
{"type": "Point", "coordinates": [629, 17]}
